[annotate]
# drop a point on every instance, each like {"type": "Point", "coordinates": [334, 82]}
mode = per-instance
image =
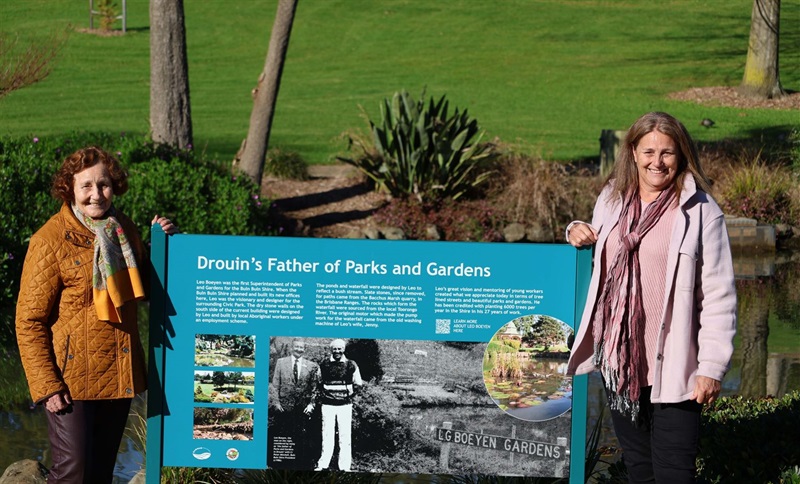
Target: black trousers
{"type": "Point", "coordinates": [663, 445]}
{"type": "Point", "coordinates": [84, 440]}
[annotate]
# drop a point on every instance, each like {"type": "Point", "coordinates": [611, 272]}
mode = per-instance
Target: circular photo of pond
{"type": "Point", "coordinates": [525, 366]}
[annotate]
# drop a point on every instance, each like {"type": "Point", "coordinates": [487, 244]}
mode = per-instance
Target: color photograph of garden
{"type": "Point", "coordinates": [524, 368]}
{"type": "Point", "coordinates": [224, 386]}
{"type": "Point", "coordinates": [225, 350]}
{"type": "Point", "coordinates": [223, 423]}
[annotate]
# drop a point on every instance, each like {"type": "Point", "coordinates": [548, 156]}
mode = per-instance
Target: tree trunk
{"type": "Point", "coordinates": [170, 111]}
{"type": "Point", "coordinates": [252, 154]}
{"type": "Point", "coordinates": [761, 79]}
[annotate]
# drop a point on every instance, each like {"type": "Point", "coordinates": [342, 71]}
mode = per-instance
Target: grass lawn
{"type": "Point", "coordinates": [544, 75]}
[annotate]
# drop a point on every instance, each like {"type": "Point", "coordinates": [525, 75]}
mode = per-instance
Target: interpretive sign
{"type": "Point", "coordinates": [364, 355]}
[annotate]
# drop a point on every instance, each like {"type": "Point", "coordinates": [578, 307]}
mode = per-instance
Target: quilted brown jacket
{"type": "Point", "coordinates": [62, 344]}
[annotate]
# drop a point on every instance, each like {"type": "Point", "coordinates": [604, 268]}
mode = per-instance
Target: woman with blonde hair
{"type": "Point", "coordinates": [660, 315]}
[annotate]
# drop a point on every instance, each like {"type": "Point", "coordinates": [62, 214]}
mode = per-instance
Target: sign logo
{"type": "Point", "coordinates": [201, 453]}
{"type": "Point", "coordinates": [232, 454]}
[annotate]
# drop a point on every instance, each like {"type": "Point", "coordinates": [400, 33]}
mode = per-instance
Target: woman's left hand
{"type": "Point", "coordinates": [166, 225]}
{"type": "Point", "coordinates": [706, 389]}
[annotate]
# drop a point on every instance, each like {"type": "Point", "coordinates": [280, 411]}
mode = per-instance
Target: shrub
{"type": "Point", "coordinates": [14, 391]}
{"type": "Point", "coordinates": [506, 365]}
{"type": "Point", "coordinates": [26, 169]}
{"type": "Point", "coordinates": [419, 149]}
{"type": "Point", "coordinates": [367, 354]}
{"type": "Point", "coordinates": [198, 195]}
{"type": "Point", "coordinates": [27, 63]}
{"type": "Point", "coordinates": [765, 193]}
{"type": "Point", "coordinates": [745, 440]}
{"type": "Point", "coordinates": [285, 164]}
{"type": "Point", "coordinates": [108, 12]}
{"type": "Point", "coordinates": [790, 475]}
{"type": "Point", "coordinates": [531, 190]}
{"type": "Point", "coordinates": [497, 346]}
{"type": "Point", "coordinates": [377, 421]}
{"type": "Point", "coordinates": [794, 149]}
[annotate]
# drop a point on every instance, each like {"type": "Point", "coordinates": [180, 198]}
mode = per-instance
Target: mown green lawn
{"type": "Point", "coordinates": [543, 75]}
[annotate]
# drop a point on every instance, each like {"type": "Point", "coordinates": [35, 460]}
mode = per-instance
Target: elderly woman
{"type": "Point", "coordinates": [660, 315]}
{"type": "Point", "coordinates": [76, 317]}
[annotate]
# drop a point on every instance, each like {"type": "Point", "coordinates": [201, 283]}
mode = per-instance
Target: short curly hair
{"type": "Point", "coordinates": [64, 179]}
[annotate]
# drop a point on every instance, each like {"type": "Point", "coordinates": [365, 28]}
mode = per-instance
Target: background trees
{"type": "Point", "coordinates": [761, 78]}
{"type": "Point", "coordinates": [170, 110]}
{"type": "Point", "coordinates": [251, 155]}
{"type": "Point", "coordinates": [218, 379]}
{"type": "Point", "coordinates": [546, 332]}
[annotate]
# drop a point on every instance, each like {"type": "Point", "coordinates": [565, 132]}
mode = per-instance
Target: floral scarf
{"type": "Point", "coordinates": [115, 279]}
{"type": "Point", "coordinates": [618, 323]}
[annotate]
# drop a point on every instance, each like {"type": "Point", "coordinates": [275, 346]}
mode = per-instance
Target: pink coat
{"type": "Point", "coordinates": [698, 320]}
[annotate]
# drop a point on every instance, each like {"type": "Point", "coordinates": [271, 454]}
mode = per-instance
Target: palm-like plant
{"type": "Point", "coordinates": [420, 149]}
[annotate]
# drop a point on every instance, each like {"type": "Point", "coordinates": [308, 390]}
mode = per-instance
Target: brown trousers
{"type": "Point", "coordinates": [84, 440]}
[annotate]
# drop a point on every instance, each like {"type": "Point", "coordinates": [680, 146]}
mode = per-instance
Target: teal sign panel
{"type": "Point", "coordinates": [426, 323]}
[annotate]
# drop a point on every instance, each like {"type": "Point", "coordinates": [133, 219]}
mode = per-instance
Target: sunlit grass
{"type": "Point", "coordinates": [545, 76]}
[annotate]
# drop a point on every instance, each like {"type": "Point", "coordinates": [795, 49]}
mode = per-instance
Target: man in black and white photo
{"type": "Point", "coordinates": [338, 381]}
{"type": "Point", "coordinates": [293, 386]}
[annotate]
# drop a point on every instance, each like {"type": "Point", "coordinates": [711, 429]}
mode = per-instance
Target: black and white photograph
{"type": "Point", "coordinates": [225, 350]}
{"type": "Point", "coordinates": [367, 405]}
{"type": "Point", "coordinates": [525, 368]}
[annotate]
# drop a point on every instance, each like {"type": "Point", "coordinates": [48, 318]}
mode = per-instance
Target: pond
{"type": "Point", "coordinates": [542, 392]}
{"type": "Point", "coordinates": [766, 361]}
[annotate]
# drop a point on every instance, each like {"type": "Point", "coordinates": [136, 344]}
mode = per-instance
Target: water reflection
{"type": "Point", "coordinates": [24, 434]}
{"type": "Point", "coordinates": [753, 329]}
{"type": "Point", "coordinates": [766, 359]}
{"type": "Point", "coordinates": [542, 391]}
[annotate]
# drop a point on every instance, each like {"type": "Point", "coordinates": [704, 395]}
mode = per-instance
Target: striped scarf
{"type": "Point", "coordinates": [115, 278]}
{"type": "Point", "coordinates": [618, 323]}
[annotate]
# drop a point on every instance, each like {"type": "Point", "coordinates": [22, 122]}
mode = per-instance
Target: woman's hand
{"type": "Point", "coordinates": [706, 389]}
{"type": "Point", "coordinates": [581, 234]}
{"type": "Point", "coordinates": [58, 402]}
{"type": "Point", "coordinates": [167, 226]}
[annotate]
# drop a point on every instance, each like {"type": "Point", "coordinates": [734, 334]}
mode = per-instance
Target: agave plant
{"type": "Point", "coordinates": [418, 149]}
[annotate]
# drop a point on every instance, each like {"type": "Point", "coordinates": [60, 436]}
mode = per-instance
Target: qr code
{"type": "Point", "coordinates": [442, 326]}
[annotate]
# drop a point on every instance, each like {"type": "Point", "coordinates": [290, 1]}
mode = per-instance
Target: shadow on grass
{"type": "Point", "coordinates": [282, 210]}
